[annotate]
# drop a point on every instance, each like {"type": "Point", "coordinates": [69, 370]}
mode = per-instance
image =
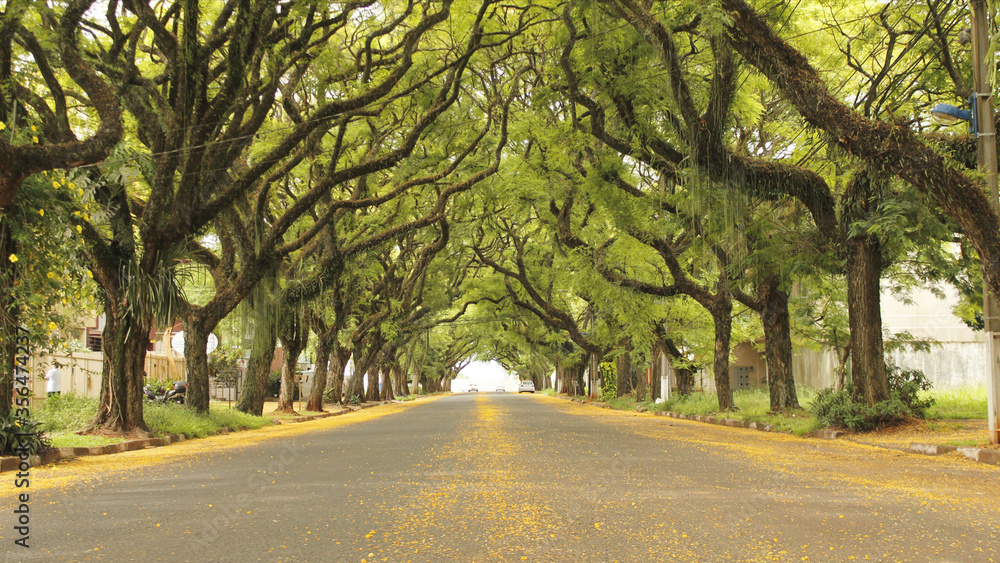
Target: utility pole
{"type": "Point", "coordinates": [986, 156]}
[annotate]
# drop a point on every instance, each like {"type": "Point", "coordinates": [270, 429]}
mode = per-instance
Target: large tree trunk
{"type": "Point", "coordinates": [294, 337]}
{"type": "Point", "coordinates": [374, 384]}
{"type": "Point", "coordinates": [625, 378]}
{"type": "Point", "coordinates": [778, 345]}
{"type": "Point", "coordinates": [355, 389]}
{"type": "Point", "coordinates": [124, 343]}
{"type": "Point", "coordinates": [723, 320]}
{"type": "Point", "coordinates": [864, 301]}
{"type": "Point", "coordinates": [335, 381]}
{"type": "Point", "coordinates": [324, 348]}
{"type": "Point", "coordinates": [286, 395]}
{"type": "Point", "coordinates": [196, 363]}
{"type": "Point", "coordinates": [864, 269]}
{"type": "Point", "coordinates": [254, 384]}
{"type": "Point", "coordinates": [385, 393]}
{"type": "Point", "coordinates": [398, 381]}
{"type": "Point", "coordinates": [685, 381]}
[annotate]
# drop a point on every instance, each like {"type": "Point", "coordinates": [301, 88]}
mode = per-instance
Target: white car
{"type": "Point", "coordinates": [526, 386]}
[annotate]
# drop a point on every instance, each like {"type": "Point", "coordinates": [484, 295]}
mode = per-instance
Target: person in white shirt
{"type": "Point", "coordinates": [52, 380]}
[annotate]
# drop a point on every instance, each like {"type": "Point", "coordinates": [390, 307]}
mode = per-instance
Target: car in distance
{"type": "Point", "coordinates": [526, 386]}
{"type": "Point", "coordinates": [501, 389]}
{"type": "Point", "coordinates": [473, 389]}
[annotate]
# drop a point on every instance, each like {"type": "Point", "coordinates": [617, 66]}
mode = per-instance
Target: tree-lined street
{"type": "Point", "coordinates": [504, 477]}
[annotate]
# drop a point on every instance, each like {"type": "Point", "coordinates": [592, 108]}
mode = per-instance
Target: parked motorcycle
{"type": "Point", "coordinates": [173, 395]}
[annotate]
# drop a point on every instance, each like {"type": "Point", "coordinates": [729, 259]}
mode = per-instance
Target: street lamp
{"type": "Point", "coordinates": [947, 114]}
{"type": "Point", "coordinates": [983, 126]}
{"type": "Point", "coordinates": [982, 123]}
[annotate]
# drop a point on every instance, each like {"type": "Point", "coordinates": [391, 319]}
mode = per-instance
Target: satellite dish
{"type": "Point", "coordinates": [177, 343]}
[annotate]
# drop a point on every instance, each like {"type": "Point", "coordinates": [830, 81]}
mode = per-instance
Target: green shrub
{"type": "Point", "coordinates": [609, 381]}
{"type": "Point", "coordinates": [176, 419]}
{"type": "Point", "coordinates": [908, 384]}
{"type": "Point", "coordinates": [66, 413]}
{"type": "Point", "coordinates": [845, 408]}
{"type": "Point", "coordinates": [16, 434]}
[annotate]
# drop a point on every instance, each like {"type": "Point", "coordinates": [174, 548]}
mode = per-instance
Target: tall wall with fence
{"type": "Point", "coordinates": [81, 372]}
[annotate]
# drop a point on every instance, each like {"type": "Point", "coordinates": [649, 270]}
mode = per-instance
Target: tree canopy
{"type": "Point", "coordinates": [422, 183]}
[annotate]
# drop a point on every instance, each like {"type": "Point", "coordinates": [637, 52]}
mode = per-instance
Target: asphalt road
{"type": "Point", "coordinates": [506, 477]}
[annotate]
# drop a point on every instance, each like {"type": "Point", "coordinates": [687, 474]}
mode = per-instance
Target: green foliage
{"type": "Point", "coordinates": [72, 413]}
{"type": "Point", "coordinates": [844, 409]}
{"type": "Point", "coordinates": [909, 385]}
{"type": "Point", "coordinates": [754, 406]}
{"type": "Point", "coordinates": [625, 402]}
{"type": "Point", "coordinates": [52, 286]}
{"type": "Point", "coordinates": [609, 381]}
{"type": "Point", "coordinates": [174, 419]}
{"type": "Point", "coordinates": [695, 403]}
{"type": "Point", "coordinates": [73, 440]}
{"type": "Point", "coordinates": [66, 412]}
{"type": "Point", "coordinates": [17, 435]}
{"type": "Point", "coordinates": [969, 403]}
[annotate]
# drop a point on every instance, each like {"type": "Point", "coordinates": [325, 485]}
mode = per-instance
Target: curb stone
{"type": "Point", "coordinates": [828, 434]}
{"type": "Point", "coordinates": [981, 455]}
{"type": "Point", "coordinates": [931, 449]}
{"type": "Point", "coordinates": [734, 423]}
{"type": "Point", "coordinates": [12, 463]}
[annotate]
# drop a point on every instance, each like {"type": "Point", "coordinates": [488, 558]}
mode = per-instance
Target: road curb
{"type": "Point", "coordinates": [731, 422]}
{"type": "Point", "coordinates": [980, 455]}
{"type": "Point", "coordinates": [13, 463]}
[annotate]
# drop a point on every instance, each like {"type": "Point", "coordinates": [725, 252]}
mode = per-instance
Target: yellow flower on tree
{"type": "Point", "coordinates": [2, 125]}
{"type": "Point", "coordinates": [12, 258]}
{"type": "Point", "coordinates": [52, 326]}
{"type": "Point", "coordinates": [79, 229]}
{"type": "Point", "coordinates": [41, 212]}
